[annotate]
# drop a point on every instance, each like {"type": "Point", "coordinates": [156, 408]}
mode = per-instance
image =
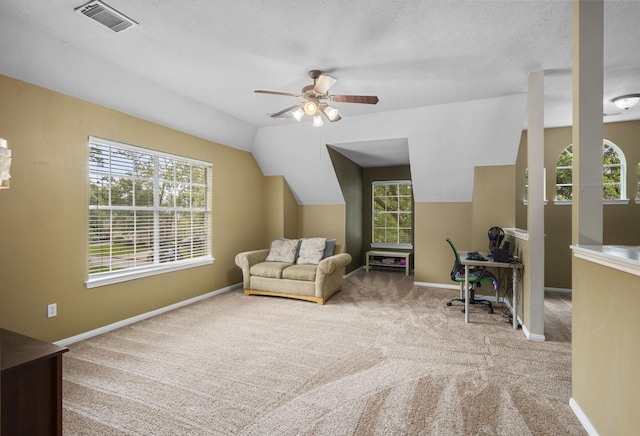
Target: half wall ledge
{"type": "Point", "coordinates": [625, 258]}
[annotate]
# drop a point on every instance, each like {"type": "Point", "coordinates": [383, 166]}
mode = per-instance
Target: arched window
{"type": "Point", "coordinates": [614, 171]}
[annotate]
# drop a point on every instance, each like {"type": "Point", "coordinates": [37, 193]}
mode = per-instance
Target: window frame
{"type": "Point", "coordinates": [525, 201]}
{"type": "Point", "coordinates": [638, 190]}
{"type": "Point", "coordinates": [623, 174]}
{"type": "Point", "coordinates": [200, 215]}
{"type": "Point", "coordinates": [397, 244]}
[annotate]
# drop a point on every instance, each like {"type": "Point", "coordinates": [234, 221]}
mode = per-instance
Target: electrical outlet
{"type": "Point", "coordinates": [52, 310]}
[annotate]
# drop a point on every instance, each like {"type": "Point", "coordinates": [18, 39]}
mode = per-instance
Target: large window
{"type": "Point", "coordinates": [613, 173]}
{"type": "Point", "coordinates": [392, 214]}
{"type": "Point", "coordinates": [149, 212]}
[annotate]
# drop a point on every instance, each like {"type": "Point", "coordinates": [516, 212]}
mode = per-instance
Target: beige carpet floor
{"type": "Point", "coordinates": [382, 357]}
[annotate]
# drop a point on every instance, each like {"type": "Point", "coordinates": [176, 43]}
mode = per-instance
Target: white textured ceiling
{"type": "Point", "coordinates": [193, 65]}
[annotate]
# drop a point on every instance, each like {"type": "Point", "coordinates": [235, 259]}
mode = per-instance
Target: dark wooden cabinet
{"type": "Point", "coordinates": [31, 380]}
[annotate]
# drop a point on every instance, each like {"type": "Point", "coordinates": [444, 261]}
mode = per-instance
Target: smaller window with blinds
{"type": "Point", "coordinates": [149, 212]}
{"type": "Point", "coordinates": [392, 214]}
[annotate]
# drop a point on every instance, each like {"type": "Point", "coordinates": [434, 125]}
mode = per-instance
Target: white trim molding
{"type": "Point", "coordinates": [132, 274]}
{"type": "Point", "coordinates": [436, 285]}
{"type": "Point", "coordinates": [625, 258]}
{"type": "Point", "coordinates": [143, 316]}
{"type": "Point", "coordinates": [530, 336]}
{"type": "Point", "coordinates": [582, 417]}
{"type": "Point", "coordinates": [517, 233]}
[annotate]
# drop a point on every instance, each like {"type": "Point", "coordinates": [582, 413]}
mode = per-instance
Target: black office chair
{"type": "Point", "coordinates": [477, 275]}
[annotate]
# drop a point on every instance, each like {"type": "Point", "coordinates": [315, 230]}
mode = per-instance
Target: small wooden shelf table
{"type": "Point", "coordinates": [374, 258]}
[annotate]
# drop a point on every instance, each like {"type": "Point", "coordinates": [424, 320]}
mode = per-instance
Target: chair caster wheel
{"type": "Point", "coordinates": [491, 312]}
{"type": "Point", "coordinates": [449, 303]}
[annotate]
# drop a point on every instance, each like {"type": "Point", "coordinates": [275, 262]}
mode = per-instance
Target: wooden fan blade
{"type": "Point", "coordinates": [290, 94]}
{"type": "Point", "coordinates": [323, 84]}
{"type": "Point", "coordinates": [284, 111]}
{"type": "Point", "coordinates": [365, 99]}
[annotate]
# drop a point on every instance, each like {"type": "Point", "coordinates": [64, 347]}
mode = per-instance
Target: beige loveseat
{"type": "Point", "coordinates": [267, 274]}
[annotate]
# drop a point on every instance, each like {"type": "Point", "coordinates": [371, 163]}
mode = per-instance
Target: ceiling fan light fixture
{"type": "Point", "coordinates": [331, 112]}
{"type": "Point", "coordinates": [310, 108]}
{"type": "Point", "coordinates": [298, 114]}
{"type": "Point", "coordinates": [317, 121]}
{"type": "Point", "coordinates": [626, 102]}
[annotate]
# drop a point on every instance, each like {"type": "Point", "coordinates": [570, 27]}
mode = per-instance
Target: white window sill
{"type": "Point", "coordinates": [395, 246]}
{"type": "Point", "coordinates": [110, 278]}
{"type": "Point", "coordinates": [526, 202]}
{"type": "Point", "coordinates": [570, 202]}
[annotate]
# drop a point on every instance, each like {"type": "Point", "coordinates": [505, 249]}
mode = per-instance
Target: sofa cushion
{"type": "Point", "coordinates": [269, 269]}
{"type": "Point", "coordinates": [305, 273]}
{"type": "Point", "coordinates": [311, 251]}
{"type": "Point", "coordinates": [329, 248]}
{"type": "Point", "coordinates": [283, 250]}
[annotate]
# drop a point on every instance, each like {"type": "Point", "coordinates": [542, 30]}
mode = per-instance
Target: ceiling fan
{"type": "Point", "coordinates": [315, 100]}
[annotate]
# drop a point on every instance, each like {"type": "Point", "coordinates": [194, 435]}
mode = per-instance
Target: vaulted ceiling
{"type": "Point", "coordinates": [187, 62]}
{"type": "Point", "coordinates": [193, 65]}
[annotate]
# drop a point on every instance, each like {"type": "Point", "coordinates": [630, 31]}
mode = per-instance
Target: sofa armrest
{"type": "Point", "coordinates": [247, 259]}
{"type": "Point", "coordinates": [330, 273]}
{"type": "Point", "coordinates": [333, 263]}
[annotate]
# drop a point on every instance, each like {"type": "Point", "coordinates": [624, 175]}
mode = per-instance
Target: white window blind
{"type": "Point", "coordinates": [148, 211]}
{"type": "Point", "coordinates": [392, 214]}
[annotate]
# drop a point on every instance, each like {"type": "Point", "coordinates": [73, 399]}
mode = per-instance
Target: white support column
{"type": "Point", "coordinates": [588, 128]}
{"type": "Point", "coordinates": [535, 210]}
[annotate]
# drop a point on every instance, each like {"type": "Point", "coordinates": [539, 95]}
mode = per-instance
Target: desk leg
{"type": "Point", "coordinates": [367, 265]}
{"type": "Point", "coordinates": [515, 298]}
{"type": "Point", "coordinates": [466, 293]}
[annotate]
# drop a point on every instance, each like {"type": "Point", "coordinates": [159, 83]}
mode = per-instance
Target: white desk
{"type": "Point", "coordinates": [406, 255]}
{"type": "Point", "coordinates": [515, 267]}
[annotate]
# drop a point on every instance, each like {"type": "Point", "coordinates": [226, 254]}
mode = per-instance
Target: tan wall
{"type": "Point", "coordinates": [434, 222]}
{"type": "Point", "coordinates": [493, 193]}
{"type": "Point", "coordinates": [43, 216]}
{"type": "Point", "coordinates": [290, 212]}
{"type": "Point", "coordinates": [322, 220]}
{"type": "Point", "coordinates": [605, 352]}
{"type": "Point", "coordinates": [281, 210]}
{"type": "Point", "coordinates": [621, 222]}
{"type": "Point", "coordinates": [274, 209]}
{"type": "Point", "coordinates": [522, 249]}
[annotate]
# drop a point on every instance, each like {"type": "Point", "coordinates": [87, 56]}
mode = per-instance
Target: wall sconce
{"type": "Point", "coordinates": [5, 164]}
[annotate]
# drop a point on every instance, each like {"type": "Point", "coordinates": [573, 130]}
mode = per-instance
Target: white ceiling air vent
{"type": "Point", "coordinates": [105, 15]}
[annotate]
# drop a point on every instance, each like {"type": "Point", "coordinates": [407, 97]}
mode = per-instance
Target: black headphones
{"type": "Point", "coordinates": [496, 235]}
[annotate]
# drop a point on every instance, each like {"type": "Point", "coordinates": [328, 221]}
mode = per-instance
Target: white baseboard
{"type": "Point", "coordinates": [531, 336]}
{"type": "Point", "coordinates": [137, 318]}
{"type": "Point", "coordinates": [346, 276]}
{"type": "Point", "coordinates": [591, 431]}
{"type": "Point", "coordinates": [559, 290]}
{"type": "Point", "coordinates": [436, 285]}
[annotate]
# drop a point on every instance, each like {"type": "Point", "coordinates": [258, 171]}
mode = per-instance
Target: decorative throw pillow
{"type": "Point", "coordinates": [283, 250]}
{"type": "Point", "coordinates": [329, 248]}
{"type": "Point", "coordinates": [311, 251]}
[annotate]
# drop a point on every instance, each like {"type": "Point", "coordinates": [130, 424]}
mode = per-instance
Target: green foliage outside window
{"type": "Point", "coordinates": [392, 213]}
{"type": "Point", "coordinates": [145, 208]}
{"type": "Point", "coordinates": [612, 173]}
